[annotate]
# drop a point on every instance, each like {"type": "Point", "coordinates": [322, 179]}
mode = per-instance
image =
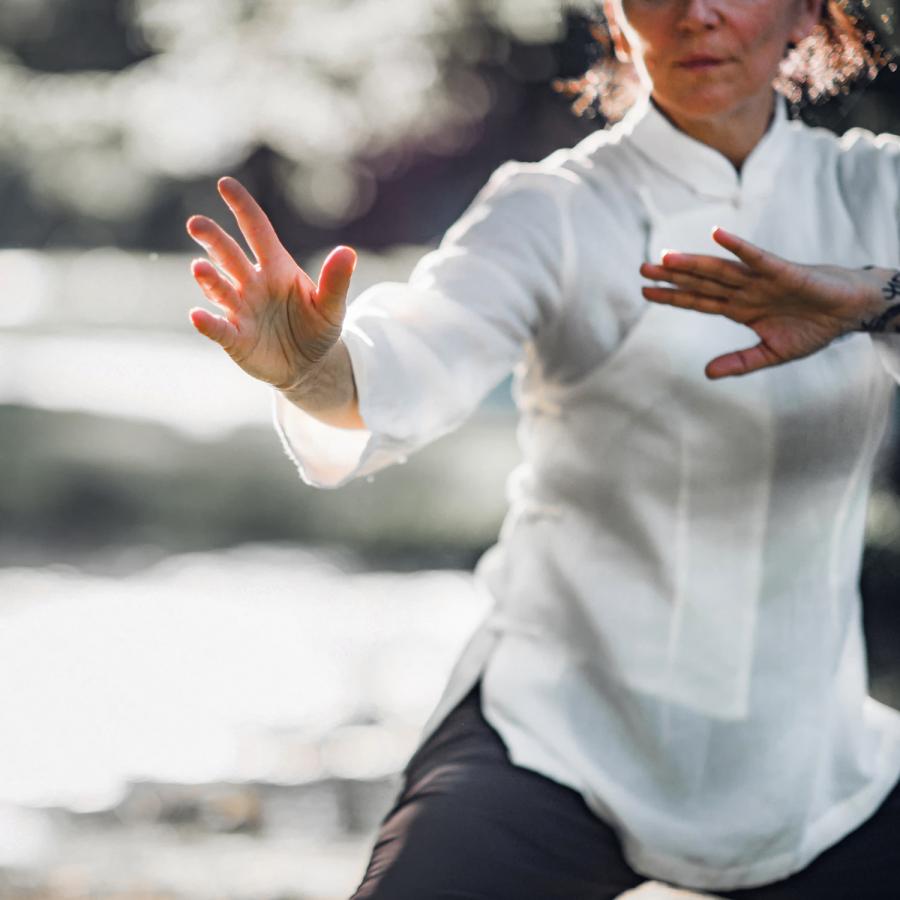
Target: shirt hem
{"type": "Point", "coordinates": [831, 827]}
{"type": "Point", "coordinates": [836, 824]}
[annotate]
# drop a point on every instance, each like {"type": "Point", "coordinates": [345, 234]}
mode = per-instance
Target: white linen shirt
{"type": "Point", "coordinates": [675, 626]}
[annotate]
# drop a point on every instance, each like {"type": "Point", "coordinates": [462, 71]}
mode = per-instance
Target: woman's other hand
{"type": "Point", "coordinates": [794, 309]}
{"type": "Point", "coordinates": [276, 323]}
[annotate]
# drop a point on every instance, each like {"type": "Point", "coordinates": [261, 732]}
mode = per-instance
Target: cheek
{"type": "Point", "coordinates": [762, 35]}
{"type": "Point", "coordinates": [648, 23]}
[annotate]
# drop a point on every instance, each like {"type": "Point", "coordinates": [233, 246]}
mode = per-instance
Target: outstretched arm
{"type": "Point", "coordinates": [425, 351]}
{"type": "Point", "coordinates": [794, 309]}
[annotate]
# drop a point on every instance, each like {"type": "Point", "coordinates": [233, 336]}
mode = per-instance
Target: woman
{"type": "Point", "coordinates": [671, 681]}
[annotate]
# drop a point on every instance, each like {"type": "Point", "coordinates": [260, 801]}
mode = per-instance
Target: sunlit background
{"type": "Point", "coordinates": [210, 673]}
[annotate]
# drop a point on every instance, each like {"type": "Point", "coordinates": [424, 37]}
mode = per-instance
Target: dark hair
{"type": "Point", "coordinates": [841, 51]}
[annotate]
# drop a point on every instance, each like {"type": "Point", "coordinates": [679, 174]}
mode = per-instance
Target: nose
{"type": "Point", "coordinates": [698, 15]}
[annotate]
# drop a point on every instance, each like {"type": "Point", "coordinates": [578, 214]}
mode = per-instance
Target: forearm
{"type": "Point", "coordinates": [328, 392]}
{"type": "Point", "coordinates": [880, 308]}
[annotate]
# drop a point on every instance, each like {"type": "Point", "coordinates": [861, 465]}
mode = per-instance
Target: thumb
{"type": "Point", "coordinates": [334, 282]}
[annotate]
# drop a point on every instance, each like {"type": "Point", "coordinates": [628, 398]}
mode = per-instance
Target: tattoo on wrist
{"type": "Point", "coordinates": [887, 320]}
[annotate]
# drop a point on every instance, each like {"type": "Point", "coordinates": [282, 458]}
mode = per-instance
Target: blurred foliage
{"type": "Point", "coordinates": [118, 114]}
{"type": "Point", "coordinates": [368, 122]}
{"type": "Point", "coordinates": [79, 486]}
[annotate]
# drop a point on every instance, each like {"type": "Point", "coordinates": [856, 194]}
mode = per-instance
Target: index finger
{"type": "Point", "coordinates": [253, 222]}
{"type": "Point", "coordinates": [723, 271]}
{"type": "Point", "coordinates": [755, 257]}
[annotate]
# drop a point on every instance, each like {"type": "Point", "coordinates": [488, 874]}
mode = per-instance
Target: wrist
{"type": "Point", "coordinates": [879, 310]}
{"type": "Point", "coordinates": [328, 391]}
{"type": "Point", "coordinates": [304, 381]}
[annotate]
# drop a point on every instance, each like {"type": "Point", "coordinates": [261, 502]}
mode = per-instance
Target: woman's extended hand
{"type": "Point", "coordinates": [277, 324]}
{"type": "Point", "coordinates": [795, 309]}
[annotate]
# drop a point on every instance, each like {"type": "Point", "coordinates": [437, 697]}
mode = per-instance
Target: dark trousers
{"type": "Point", "coordinates": [470, 825]}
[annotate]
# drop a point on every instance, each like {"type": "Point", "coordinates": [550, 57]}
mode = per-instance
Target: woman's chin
{"type": "Point", "coordinates": [706, 101]}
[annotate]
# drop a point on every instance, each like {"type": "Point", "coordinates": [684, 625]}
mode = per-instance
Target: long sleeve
{"type": "Point", "coordinates": [426, 352]}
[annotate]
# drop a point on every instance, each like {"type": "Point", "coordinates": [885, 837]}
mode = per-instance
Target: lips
{"type": "Point", "coordinates": [696, 62]}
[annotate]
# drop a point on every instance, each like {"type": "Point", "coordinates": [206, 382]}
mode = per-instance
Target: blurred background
{"type": "Point", "coordinates": [210, 673]}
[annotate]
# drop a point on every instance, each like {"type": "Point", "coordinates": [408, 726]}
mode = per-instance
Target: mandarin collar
{"type": "Point", "coordinates": [701, 168]}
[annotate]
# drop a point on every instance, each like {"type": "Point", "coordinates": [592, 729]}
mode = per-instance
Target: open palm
{"type": "Point", "coordinates": [794, 309]}
{"type": "Point", "coordinates": [276, 323]}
